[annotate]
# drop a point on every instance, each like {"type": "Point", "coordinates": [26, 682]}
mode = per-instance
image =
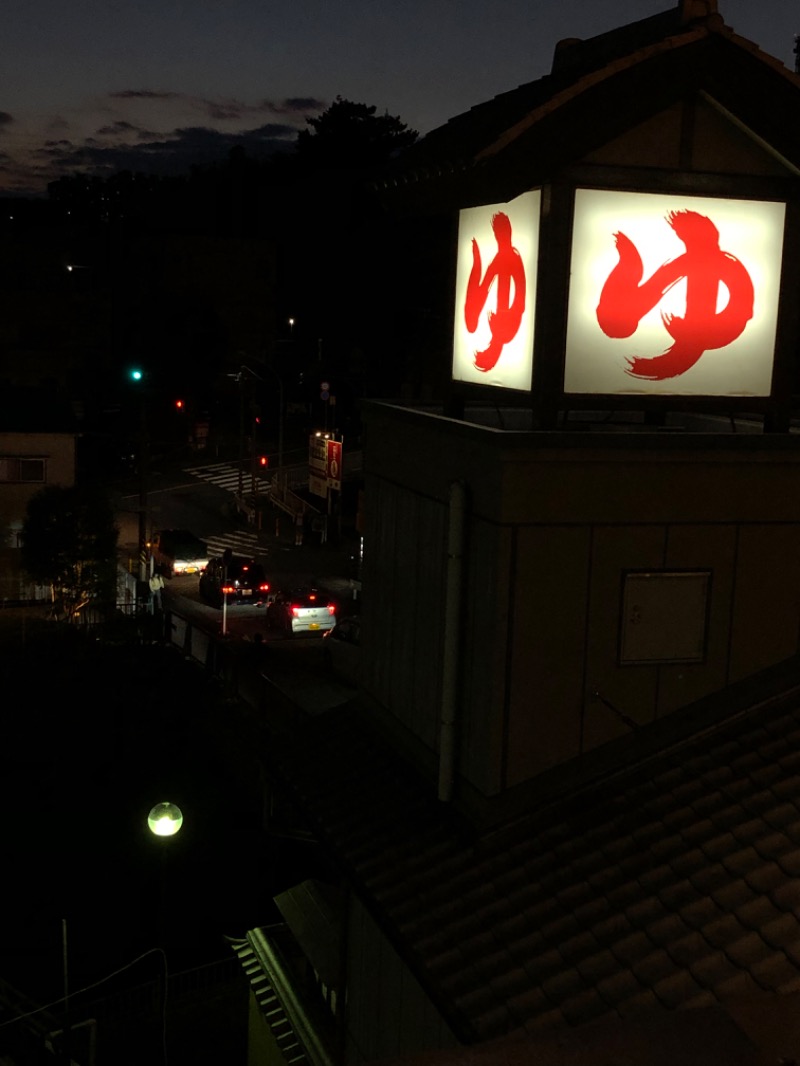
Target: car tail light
{"type": "Point", "coordinates": [264, 587]}
{"type": "Point", "coordinates": [296, 611]}
{"type": "Point", "coordinates": [331, 609]}
{"type": "Point", "coordinates": [228, 588]}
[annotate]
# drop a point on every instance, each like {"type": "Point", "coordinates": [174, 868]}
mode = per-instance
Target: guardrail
{"type": "Point", "coordinates": [238, 664]}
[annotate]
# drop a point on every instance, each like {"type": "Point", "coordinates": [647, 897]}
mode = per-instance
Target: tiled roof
{"type": "Point", "coordinates": [465, 134]}
{"type": "Point", "coordinates": [676, 884]}
{"type": "Point", "coordinates": [598, 89]}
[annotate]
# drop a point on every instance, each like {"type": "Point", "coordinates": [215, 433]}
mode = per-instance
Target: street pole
{"type": "Point", "coordinates": [67, 1034]}
{"type": "Point", "coordinates": [240, 379]}
{"type": "Point", "coordinates": [280, 421]}
{"type": "Point", "coordinates": [253, 450]}
{"type": "Point", "coordinates": [144, 462]}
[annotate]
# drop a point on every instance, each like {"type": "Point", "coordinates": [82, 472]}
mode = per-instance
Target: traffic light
{"type": "Point", "coordinates": [179, 405]}
{"type": "Point", "coordinates": [136, 373]}
{"type": "Point", "coordinates": [263, 461]}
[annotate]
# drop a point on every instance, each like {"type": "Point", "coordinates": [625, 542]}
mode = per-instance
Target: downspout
{"type": "Point", "coordinates": [451, 658]}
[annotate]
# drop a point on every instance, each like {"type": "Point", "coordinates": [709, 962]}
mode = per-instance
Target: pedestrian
{"type": "Point", "coordinates": [156, 585]}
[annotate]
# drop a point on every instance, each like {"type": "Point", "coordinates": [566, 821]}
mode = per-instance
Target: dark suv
{"type": "Point", "coordinates": [241, 580]}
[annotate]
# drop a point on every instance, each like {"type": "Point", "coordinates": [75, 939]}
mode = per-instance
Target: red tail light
{"type": "Point", "coordinates": [296, 611]}
{"type": "Point", "coordinates": [228, 588]}
{"type": "Point", "coordinates": [264, 587]}
{"type": "Point", "coordinates": [331, 609]}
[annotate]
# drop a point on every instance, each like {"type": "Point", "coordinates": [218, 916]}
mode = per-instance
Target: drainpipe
{"type": "Point", "coordinates": [452, 638]}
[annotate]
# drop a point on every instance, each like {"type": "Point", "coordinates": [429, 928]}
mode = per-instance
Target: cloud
{"type": "Point", "coordinates": [143, 94]}
{"type": "Point", "coordinates": [172, 154]}
{"type": "Point", "coordinates": [233, 110]}
{"type": "Point", "coordinates": [224, 112]}
{"type": "Point", "coordinates": [117, 128]}
{"type": "Point", "coordinates": [224, 109]}
{"type": "Point", "coordinates": [296, 105]}
{"type": "Point", "coordinates": [151, 131]}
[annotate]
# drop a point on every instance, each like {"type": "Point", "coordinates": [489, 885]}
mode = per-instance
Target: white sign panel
{"type": "Point", "coordinates": [498, 248]}
{"type": "Point", "coordinates": [672, 295]}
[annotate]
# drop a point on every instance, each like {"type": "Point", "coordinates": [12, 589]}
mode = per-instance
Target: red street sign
{"type": "Point", "coordinates": [334, 463]}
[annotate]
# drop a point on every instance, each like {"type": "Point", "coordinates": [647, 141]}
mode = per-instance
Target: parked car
{"type": "Point", "coordinates": [343, 648]}
{"type": "Point", "coordinates": [301, 610]}
{"type": "Point", "coordinates": [241, 580]}
{"type": "Point", "coordinates": [177, 551]}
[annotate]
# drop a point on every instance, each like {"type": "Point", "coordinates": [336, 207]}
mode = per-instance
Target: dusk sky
{"type": "Point", "coordinates": [157, 85]}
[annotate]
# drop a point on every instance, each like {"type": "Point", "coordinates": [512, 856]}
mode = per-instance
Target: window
{"type": "Point", "coordinates": [21, 468]}
{"type": "Point", "coordinates": [664, 616]}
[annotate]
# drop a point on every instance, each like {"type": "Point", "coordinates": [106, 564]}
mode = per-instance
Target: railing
{"type": "Point", "coordinates": [287, 500]}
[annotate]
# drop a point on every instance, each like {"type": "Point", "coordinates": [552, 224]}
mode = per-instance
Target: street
{"type": "Point", "coordinates": [201, 498]}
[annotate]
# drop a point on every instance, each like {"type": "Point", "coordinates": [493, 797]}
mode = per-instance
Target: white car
{"type": "Point", "coordinates": [301, 610]}
{"type": "Point", "coordinates": [177, 551]}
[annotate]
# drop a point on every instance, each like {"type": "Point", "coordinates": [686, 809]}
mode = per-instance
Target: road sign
{"type": "Point", "coordinates": [334, 464]}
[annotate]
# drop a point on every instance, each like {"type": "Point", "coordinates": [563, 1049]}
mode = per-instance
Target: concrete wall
{"type": "Point", "coordinates": [58, 451]}
{"type": "Point", "coordinates": [554, 521]}
{"type": "Point", "coordinates": [388, 1013]}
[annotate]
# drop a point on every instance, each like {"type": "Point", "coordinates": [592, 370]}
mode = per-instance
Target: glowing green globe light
{"type": "Point", "coordinates": [136, 375]}
{"type": "Point", "coordinates": [165, 819]}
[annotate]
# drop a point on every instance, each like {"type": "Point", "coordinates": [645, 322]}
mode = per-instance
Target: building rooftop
{"type": "Point", "coordinates": [598, 89]}
{"type": "Point", "coordinates": [675, 884]}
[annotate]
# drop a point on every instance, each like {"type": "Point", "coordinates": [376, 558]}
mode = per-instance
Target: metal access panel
{"type": "Point", "coordinates": [664, 616]}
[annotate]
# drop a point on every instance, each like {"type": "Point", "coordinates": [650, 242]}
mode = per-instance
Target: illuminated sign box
{"type": "Point", "coordinates": [672, 295]}
{"type": "Point", "coordinates": [498, 249]}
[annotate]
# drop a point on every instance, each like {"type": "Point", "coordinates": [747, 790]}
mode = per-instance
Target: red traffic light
{"type": "Point", "coordinates": [263, 461]}
{"type": "Point", "coordinates": [179, 405]}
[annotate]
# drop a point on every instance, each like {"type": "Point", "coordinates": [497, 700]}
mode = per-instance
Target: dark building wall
{"type": "Point", "coordinates": [57, 450]}
{"type": "Point", "coordinates": [717, 145]}
{"type": "Point", "coordinates": [388, 1013]}
{"type": "Point", "coordinates": [554, 522]}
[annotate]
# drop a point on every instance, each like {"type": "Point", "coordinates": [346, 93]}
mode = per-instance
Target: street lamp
{"type": "Point", "coordinates": [165, 819]}
{"type": "Point", "coordinates": [136, 374]}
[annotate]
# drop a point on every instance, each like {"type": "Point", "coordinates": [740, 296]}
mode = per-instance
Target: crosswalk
{"type": "Point", "coordinates": [240, 542]}
{"type": "Point", "coordinates": [226, 476]}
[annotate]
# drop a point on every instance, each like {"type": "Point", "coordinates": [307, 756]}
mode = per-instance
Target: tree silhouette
{"type": "Point", "coordinates": [69, 542]}
{"type": "Point", "coordinates": [352, 136]}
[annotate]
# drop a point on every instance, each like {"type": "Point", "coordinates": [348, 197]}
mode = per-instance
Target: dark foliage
{"type": "Point", "coordinates": [69, 542]}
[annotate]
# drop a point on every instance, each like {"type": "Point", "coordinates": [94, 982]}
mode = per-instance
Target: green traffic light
{"type": "Point", "coordinates": [137, 375]}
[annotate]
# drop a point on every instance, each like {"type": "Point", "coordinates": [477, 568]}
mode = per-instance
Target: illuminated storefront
{"type": "Point", "coordinates": [498, 248]}
{"type": "Point", "coordinates": [673, 295]}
